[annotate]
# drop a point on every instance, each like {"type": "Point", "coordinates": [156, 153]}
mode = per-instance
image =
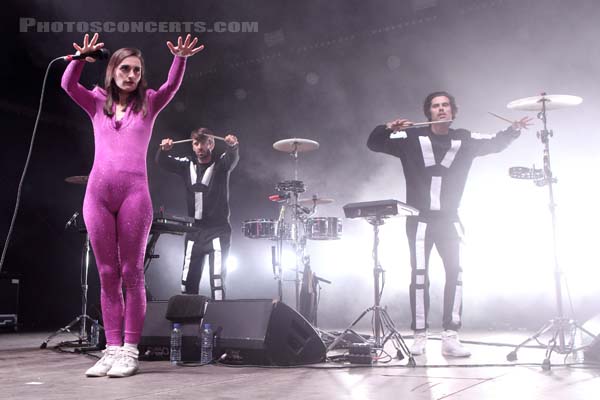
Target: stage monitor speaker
{"type": "Point", "coordinates": [263, 332]}
{"type": "Point", "coordinates": [155, 343]}
{"type": "Point", "coordinates": [9, 301]}
{"type": "Point", "coordinates": [186, 308]}
{"type": "Point", "coordinates": [592, 351]}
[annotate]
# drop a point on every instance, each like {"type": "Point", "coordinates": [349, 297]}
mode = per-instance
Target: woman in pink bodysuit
{"type": "Point", "coordinates": [117, 208]}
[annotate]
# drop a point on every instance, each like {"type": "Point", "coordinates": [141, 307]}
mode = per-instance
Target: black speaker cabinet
{"type": "Point", "coordinates": [592, 353]}
{"type": "Point", "coordinates": [186, 308]}
{"type": "Point", "coordinates": [9, 301]}
{"type": "Point", "coordinates": [263, 332]}
{"type": "Point", "coordinates": [155, 344]}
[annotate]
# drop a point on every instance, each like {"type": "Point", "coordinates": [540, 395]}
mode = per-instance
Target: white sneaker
{"type": "Point", "coordinates": [419, 343]}
{"type": "Point", "coordinates": [104, 364]}
{"type": "Point", "coordinates": [451, 345]}
{"type": "Point", "coordinates": [126, 363]}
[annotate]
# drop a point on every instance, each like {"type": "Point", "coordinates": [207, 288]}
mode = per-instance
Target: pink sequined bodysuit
{"type": "Point", "coordinates": [117, 207]}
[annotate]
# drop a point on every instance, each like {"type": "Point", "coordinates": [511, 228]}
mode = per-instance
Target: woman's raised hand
{"type": "Point", "coordinates": [89, 46]}
{"type": "Point", "coordinates": [185, 48]}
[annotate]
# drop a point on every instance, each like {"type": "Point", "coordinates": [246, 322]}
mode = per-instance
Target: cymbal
{"type": "Point", "coordinates": [295, 144]}
{"type": "Point", "coordinates": [77, 180]}
{"type": "Point", "coordinates": [315, 200]}
{"type": "Point", "coordinates": [553, 102]}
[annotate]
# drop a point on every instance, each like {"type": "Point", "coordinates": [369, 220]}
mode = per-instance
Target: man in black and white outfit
{"type": "Point", "coordinates": [206, 180]}
{"type": "Point", "coordinates": [436, 161]}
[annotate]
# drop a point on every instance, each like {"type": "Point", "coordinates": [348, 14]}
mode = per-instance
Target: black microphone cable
{"type": "Point", "coordinates": [18, 199]}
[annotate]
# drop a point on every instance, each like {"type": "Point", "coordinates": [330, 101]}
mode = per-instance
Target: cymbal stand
{"type": "Point", "coordinates": [277, 251]}
{"type": "Point", "coordinates": [290, 190]}
{"type": "Point", "coordinates": [382, 324]}
{"type": "Point", "coordinates": [294, 155]}
{"type": "Point", "coordinates": [560, 326]}
{"type": "Point", "coordinates": [298, 216]}
{"type": "Point", "coordinates": [298, 242]}
{"type": "Point", "coordinates": [83, 340]}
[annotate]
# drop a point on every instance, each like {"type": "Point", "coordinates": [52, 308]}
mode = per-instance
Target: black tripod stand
{"type": "Point", "coordinates": [560, 327]}
{"type": "Point", "coordinates": [382, 324]}
{"type": "Point", "coordinates": [83, 341]}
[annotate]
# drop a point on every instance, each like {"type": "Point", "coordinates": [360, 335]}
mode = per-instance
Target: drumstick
{"type": "Point", "coordinates": [182, 141]}
{"type": "Point", "coordinates": [189, 140]}
{"type": "Point", "coordinates": [502, 118]}
{"type": "Point", "coordinates": [419, 124]}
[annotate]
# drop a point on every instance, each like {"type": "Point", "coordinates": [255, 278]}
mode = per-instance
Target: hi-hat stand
{"type": "Point", "coordinates": [560, 326]}
{"type": "Point", "coordinates": [382, 324]}
{"type": "Point", "coordinates": [83, 341]}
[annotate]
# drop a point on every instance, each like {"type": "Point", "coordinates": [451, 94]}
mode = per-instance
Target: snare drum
{"type": "Point", "coordinates": [324, 228]}
{"type": "Point", "coordinates": [259, 228]}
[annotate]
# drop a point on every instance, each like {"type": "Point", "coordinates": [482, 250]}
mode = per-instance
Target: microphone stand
{"type": "Point", "coordinates": [84, 342]}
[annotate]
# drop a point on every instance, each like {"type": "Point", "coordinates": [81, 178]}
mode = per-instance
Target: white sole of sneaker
{"type": "Point", "coordinates": [456, 356]}
{"type": "Point", "coordinates": [121, 375]}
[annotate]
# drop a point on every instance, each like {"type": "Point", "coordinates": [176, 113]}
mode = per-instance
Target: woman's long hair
{"type": "Point", "coordinates": [137, 98]}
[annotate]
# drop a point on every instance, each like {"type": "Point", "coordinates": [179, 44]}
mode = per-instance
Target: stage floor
{"type": "Point", "coordinates": [27, 372]}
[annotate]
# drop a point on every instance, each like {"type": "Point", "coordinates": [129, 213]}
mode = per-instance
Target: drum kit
{"type": "Point", "coordinates": [297, 222]}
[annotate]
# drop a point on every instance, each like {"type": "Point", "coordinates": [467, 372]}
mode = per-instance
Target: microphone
{"type": "Point", "coordinates": [72, 220]}
{"type": "Point", "coordinates": [99, 54]}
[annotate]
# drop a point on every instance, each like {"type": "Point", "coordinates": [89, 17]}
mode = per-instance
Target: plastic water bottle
{"type": "Point", "coordinates": [175, 353]}
{"type": "Point", "coordinates": [94, 333]}
{"type": "Point", "coordinates": [206, 344]}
